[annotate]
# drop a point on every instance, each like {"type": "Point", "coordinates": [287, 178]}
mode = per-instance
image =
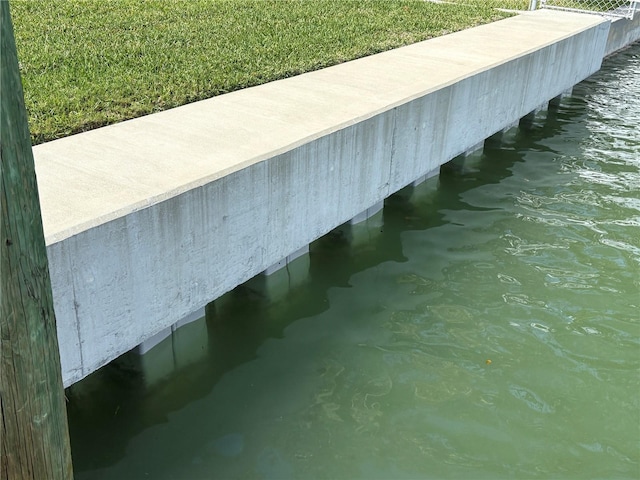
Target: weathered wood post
{"type": "Point", "coordinates": [34, 436]}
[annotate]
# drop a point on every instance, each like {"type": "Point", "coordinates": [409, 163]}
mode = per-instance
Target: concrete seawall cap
{"type": "Point", "coordinates": [93, 177]}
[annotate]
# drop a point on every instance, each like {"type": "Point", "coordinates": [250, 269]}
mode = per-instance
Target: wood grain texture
{"type": "Point", "coordinates": [34, 438]}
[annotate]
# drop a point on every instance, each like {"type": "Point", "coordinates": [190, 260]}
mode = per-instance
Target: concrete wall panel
{"type": "Point", "coordinates": [623, 32]}
{"type": "Point", "coordinates": [118, 283]}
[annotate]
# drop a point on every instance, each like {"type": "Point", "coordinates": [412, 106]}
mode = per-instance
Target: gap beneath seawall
{"type": "Point", "coordinates": [149, 220]}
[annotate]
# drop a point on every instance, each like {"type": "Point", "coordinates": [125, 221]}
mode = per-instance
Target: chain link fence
{"type": "Point", "coordinates": [609, 8]}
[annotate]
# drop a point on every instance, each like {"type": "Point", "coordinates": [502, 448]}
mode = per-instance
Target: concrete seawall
{"type": "Point", "coordinates": [623, 32]}
{"type": "Point", "coordinates": [148, 220]}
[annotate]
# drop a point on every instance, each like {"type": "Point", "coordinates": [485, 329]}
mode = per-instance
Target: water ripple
{"type": "Point", "coordinates": [530, 399]}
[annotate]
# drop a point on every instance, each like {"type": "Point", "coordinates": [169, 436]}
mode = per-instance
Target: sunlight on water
{"type": "Point", "coordinates": [490, 330]}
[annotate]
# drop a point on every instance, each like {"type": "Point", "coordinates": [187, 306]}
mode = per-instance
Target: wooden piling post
{"type": "Point", "coordinates": [34, 436]}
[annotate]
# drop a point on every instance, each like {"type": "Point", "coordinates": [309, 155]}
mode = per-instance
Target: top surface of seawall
{"type": "Point", "coordinates": [91, 178]}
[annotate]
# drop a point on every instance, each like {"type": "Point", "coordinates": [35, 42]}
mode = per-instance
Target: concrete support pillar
{"type": "Point", "coordinates": [527, 121]}
{"type": "Point", "coordinates": [190, 342]}
{"type": "Point", "coordinates": [368, 213]}
{"type": "Point", "coordinates": [425, 189]}
{"type": "Point", "coordinates": [416, 189]}
{"type": "Point", "coordinates": [277, 280]}
{"type": "Point", "coordinates": [473, 156]}
{"type": "Point", "coordinates": [476, 149]}
{"type": "Point", "coordinates": [504, 135]}
{"type": "Point", "coordinates": [510, 128]}
{"type": "Point", "coordinates": [192, 317]}
{"type": "Point", "coordinates": [465, 160]}
{"type": "Point", "coordinates": [174, 348]}
{"type": "Point", "coordinates": [455, 165]}
{"type": "Point", "coordinates": [426, 176]}
{"type": "Point", "coordinates": [151, 342]}
{"type": "Point", "coordinates": [555, 101]}
{"type": "Point", "coordinates": [365, 226]}
{"type": "Point", "coordinates": [286, 260]}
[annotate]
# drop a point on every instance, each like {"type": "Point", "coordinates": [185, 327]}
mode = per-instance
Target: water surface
{"type": "Point", "coordinates": [489, 329]}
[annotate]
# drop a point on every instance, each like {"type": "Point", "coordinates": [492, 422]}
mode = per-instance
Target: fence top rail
{"type": "Point", "coordinates": [606, 8]}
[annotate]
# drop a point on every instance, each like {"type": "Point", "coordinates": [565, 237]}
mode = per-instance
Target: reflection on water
{"type": "Point", "coordinates": [489, 329]}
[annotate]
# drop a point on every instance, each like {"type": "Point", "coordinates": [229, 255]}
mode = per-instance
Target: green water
{"type": "Point", "coordinates": [490, 329]}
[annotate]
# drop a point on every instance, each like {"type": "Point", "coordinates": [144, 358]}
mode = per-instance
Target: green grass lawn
{"type": "Point", "coordinates": [89, 63]}
{"type": "Point", "coordinates": [505, 4]}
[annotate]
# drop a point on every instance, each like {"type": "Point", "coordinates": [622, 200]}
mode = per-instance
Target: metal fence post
{"type": "Point", "coordinates": [533, 4]}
